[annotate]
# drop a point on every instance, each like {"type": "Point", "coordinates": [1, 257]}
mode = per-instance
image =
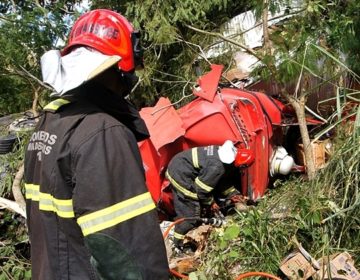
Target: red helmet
{"type": "Point", "coordinates": [109, 33]}
{"type": "Point", "coordinates": [244, 157]}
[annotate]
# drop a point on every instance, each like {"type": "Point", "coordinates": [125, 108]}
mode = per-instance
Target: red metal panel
{"type": "Point", "coordinates": [217, 115]}
{"type": "Point", "coordinates": [209, 83]}
{"type": "Point", "coordinates": [163, 123]}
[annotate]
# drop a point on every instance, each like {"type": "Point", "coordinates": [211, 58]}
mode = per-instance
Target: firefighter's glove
{"type": "Point", "coordinates": [210, 210]}
{"type": "Point", "coordinates": [236, 199]}
{"type": "Point", "coordinates": [206, 212]}
{"type": "Point", "coordinates": [215, 209]}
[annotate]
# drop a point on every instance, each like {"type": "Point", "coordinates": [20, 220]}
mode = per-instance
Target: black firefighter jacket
{"type": "Point", "coordinates": [90, 215]}
{"type": "Point", "coordinates": [199, 174]}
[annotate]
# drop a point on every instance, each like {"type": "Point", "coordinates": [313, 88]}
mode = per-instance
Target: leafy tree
{"type": "Point", "coordinates": [176, 34]}
{"type": "Point", "coordinates": [320, 40]}
{"type": "Point", "coordinates": [27, 29]}
{"type": "Point", "coordinates": [171, 47]}
{"type": "Point", "coordinates": [310, 44]}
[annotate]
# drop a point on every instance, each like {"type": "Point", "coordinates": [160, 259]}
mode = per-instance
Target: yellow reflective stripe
{"type": "Point", "coordinates": [209, 201]}
{"type": "Point", "coordinates": [195, 158]}
{"type": "Point", "coordinates": [178, 235]}
{"type": "Point", "coordinates": [46, 202]}
{"type": "Point", "coordinates": [62, 207]}
{"type": "Point", "coordinates": [203, 185]}
{"type": "Point", "coordinates": [32, 192]}
{"type": "Point", "coordinates": [116, 214]}
{"type": "Point", "coordinates": [180, 188]}
{"type": "Point", "coordinates": [56, 104]}
{"type": "Point", "coordinates": [228, 191]}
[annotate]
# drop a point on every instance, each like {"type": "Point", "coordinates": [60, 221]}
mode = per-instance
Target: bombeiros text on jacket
{"type": "Point", "coordinates": [41, 141]}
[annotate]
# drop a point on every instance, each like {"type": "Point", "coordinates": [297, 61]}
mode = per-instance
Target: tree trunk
{"type": "Point", "coordinates": [299, 107]}
{"type": "Point", "coordinates": [267, 45]}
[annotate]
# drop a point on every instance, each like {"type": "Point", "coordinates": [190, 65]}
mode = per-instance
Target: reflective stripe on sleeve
{"type": "Point", "coordinates": [180, 188]}
{"type": "Point", "coordinates": [195, 159]}
{"type": "Point", "coordinates": [56, 104]}
{"type": "Point", "coordinates": [62, 207]}
{"type": "Point", "coordinates": [115, 214]}
{"type": "Point", "coordinates": [228, 191]}
{"type": "Point", "coordinates": [202, 185]}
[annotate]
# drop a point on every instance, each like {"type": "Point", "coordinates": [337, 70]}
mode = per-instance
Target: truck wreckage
{"type": "Point", "coordinates": [253, 119]}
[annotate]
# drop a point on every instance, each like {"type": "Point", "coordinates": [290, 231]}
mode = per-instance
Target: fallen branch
{"type": "Point", "coordinates": [13, 206]}
{"type": "Point", "coordinates": [16, 187]}
{"type": "Point", "coordinates": [219, 35]}
{"type": "Point", "coordinates": [341, 211]}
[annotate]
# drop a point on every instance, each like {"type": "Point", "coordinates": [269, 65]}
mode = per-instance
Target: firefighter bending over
{"type": "Point", "coordinates": [90, 215]}
{"type": "Point", "coordinates": [197, 177]}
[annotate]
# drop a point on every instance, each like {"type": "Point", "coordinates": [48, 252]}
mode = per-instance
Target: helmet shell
{"type": "Point", "coordinates": [244, 157]}
{"type": "Point", "coordinates": [281, 162]}
{"type": "Point", "coordinates": [107, 32]}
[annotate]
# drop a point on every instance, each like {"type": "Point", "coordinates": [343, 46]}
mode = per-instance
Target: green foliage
{"type": "Point", "coordinates": [13, 266]}
{"type": "Point", "coordinates": [14, 250]}
{"type": "Point", "coordinates": [323, 215]}
{"type": "Point", "coordinates": [341, 179]}
{"type": "Point", "coordinates": [330, 25]}
{"type": "Point", "coordinates": [249, 240]}
{"type": "Point", "coordinates": [14, 245]}
{"type": "Point", "coordinates": [9, 164]}
{"type": "Point", "coordinates": [170, 46]}
{"type": "Point", "coordinates": [27, 30]}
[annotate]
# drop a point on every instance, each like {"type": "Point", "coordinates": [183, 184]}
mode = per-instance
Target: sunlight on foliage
{"type": "Point", "coordinates": [323, 215]}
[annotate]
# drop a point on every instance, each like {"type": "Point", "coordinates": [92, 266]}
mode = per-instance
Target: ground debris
{"type": "Point", "coordinates": [187, 262]}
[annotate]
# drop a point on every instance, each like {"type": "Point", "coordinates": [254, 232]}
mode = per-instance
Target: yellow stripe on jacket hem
{"type": "Point", "coordinates": [62, 207]}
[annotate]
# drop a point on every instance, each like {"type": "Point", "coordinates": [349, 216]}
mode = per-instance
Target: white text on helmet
{"type": "Point", "coordinates": [99, 30]}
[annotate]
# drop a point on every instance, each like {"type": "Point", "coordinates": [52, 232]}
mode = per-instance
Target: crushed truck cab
{"type": "Point", "coordinates": [252, 119]}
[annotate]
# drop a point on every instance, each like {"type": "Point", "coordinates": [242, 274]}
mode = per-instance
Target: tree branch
{"type": "Point", "coordinates": [26, 72]}
{"type": "Point", "coordinates": [259, 24]}
{"type": "Point", "coordinates": [172, 104]}
{"type": "Point", "coordinates": [6, 19]}
{"type": "Point", "coordinates": [13, 206]}
{"type": "Point", "coordinates": [219, 35]}
{"type": "Point", "coordinates": [16, 187]}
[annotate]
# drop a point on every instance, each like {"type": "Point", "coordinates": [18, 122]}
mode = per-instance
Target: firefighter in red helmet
{"type": "Point", "coordinates": [90, 215]}
{"type": "Point", "coordinates": [199, 177]}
